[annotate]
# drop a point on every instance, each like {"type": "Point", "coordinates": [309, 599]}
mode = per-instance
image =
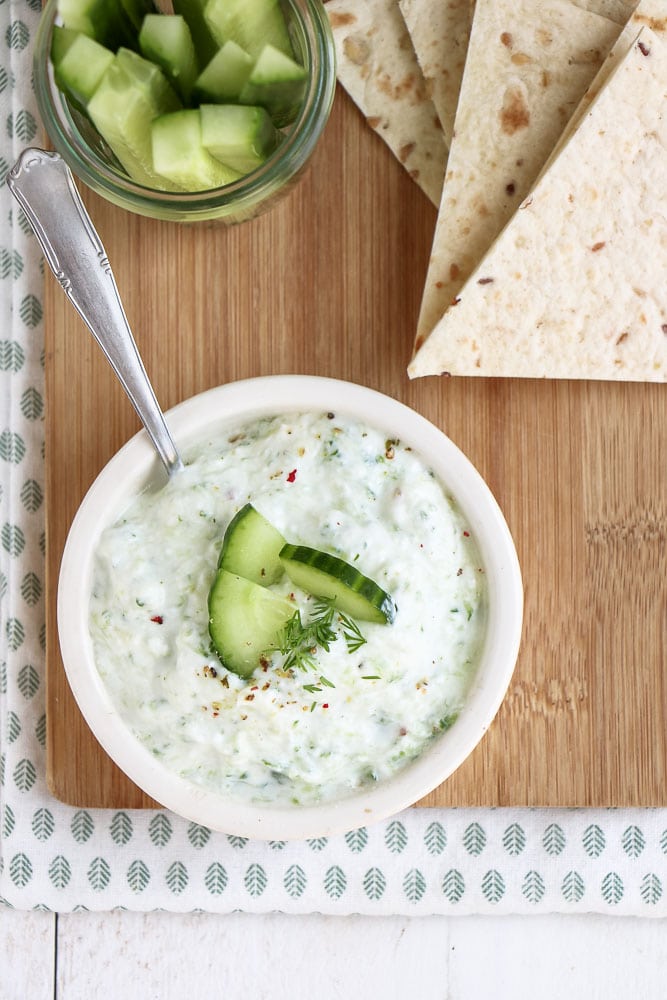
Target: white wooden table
{"type": "Point", "coordinates": [160, 956]}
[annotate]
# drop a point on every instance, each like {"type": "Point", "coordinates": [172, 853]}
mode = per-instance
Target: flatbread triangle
{"type": "Point", "coordinates": [575, 286]}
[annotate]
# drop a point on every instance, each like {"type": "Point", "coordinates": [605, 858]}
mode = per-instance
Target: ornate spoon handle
{"type": "Point", "coordinates": [44, 187]}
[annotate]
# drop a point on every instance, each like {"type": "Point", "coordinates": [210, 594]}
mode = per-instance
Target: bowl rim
{"type": "Point", "coordinates": [136, 466]}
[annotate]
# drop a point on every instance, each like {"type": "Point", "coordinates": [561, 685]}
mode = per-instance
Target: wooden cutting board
{"type": "Point", "coordinates": [330, 282]}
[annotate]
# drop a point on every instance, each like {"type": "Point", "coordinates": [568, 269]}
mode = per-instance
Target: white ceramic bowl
{"type": "Point", "coordinates": [136, 465]}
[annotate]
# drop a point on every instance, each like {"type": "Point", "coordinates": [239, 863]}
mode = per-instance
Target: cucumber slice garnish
{"type": "Point", "coordinates": [251, 548]}
{"type": "Point", "coordinates": [325, 575]}
{"type": "Point", "coordinates": [245, 620]}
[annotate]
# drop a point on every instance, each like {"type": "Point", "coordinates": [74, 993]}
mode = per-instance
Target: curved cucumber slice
{"type": "Point", "coordinates": [251, 548]}
{"type": "Point", "coordinates": [244, 620]}
{"type": "Point", "coordinates": [325, 575]}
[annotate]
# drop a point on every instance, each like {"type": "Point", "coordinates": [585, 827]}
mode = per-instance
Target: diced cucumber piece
{"type": "Point", "coordinates": [276, 82]}
{"type": "Point", "coordinates": [251, 548]}
{"type": "Point", "coordinates": [136, 11]}
{"type": "Point", "coordinates": [245, 620]}
{"type": "Point", "coordinates": [103, 20]}
{"type": "Point", "coordinates": [178, 153]}
{"type": "Point", "coordinates": [61, 39]}
{"type": "Point", "coordinates": [251, 23]}
{"type": "Point", "coordinates": [242, 137]}
{"type": "Point", "coordinates": [205, 44]}
{"type": "Point", "coordinates": [166, 40]}
{"type": "Point", "coordinates": [79, 63]}
{"type": "Point", "coordinates": [222, 80]}
{"type": "Point", "coordinates": [132, 92]}
{"type": "Point", "coordinates": [325, 575]}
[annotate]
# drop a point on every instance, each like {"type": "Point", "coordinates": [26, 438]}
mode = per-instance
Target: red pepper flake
{"type": "Point", "coordinates": [158, 619]}
{"type": "Point", "coordinates": [466, 534]}
{"type": "Point", "coordinates": [291, 476]}
{"type": "Point", "coordinates": [645, 51]}
{"type": "Point", "coordinates": [325, 705]}
{"type": "Point", "coordinates": [255, 687]}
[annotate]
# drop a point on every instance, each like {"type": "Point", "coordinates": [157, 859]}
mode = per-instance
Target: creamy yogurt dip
{"type": "Point", "coordinates": [291, 736]}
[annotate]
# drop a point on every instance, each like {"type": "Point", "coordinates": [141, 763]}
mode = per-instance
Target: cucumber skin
{"type": "Point", "coordinates": [249, 536]}
{"type": "Point", "coordinates": [325, 575]}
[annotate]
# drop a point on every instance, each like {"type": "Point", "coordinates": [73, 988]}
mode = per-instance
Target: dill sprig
{"type": "Point", "coordinates": [299, 640]}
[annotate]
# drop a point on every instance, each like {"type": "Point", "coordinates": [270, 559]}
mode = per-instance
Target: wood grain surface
{"type": "Point", "coordinates": [329, 282]}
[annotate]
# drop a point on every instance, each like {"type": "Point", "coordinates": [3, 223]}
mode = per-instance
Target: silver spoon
{"type": "Point", "coordinates": [43, 185]}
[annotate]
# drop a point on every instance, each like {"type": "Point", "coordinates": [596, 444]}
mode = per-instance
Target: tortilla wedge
{"type": "Point", "coordinates": [378, 68]}
{"type": "Point", "coordinates": [648, 13]}
{"type": "Point", "coordinates": [440, 30]}
{"type": "Point", "coordinates": [528, 66]}
{"type": "Point", "coordinates": [575, 285]}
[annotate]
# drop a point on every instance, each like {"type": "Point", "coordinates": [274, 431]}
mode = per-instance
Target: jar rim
{"type": "Point", "coordinates": [239, 199]}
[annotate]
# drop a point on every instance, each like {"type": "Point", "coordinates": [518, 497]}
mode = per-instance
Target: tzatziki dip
{"type": "Point", "coordinates": [293, 732]}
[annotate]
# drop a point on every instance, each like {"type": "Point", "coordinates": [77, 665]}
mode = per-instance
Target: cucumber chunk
{"type": "Point", "coordinates": [251, 548]}
{"type": "Point", "coordinates": [276, 82]}
{"type": "Point", "coordinates": [325, 575]}
{"type": "Point", "coordinates": [132, 92]}
{"type": "Point", "coordinates": [79, 63]}
{"type": "Point", "coordinates": [136, 11]}
{"type": "Point", "coordinates": [178, 153]}
{"type": "Point", "coordinates": [244, 620]}
{"type": "Point", "coordinates": [222, 80]}
{"type": "Point", "coordinates": [250, 23]}
{"type": "Point", "coordinates": [103, 20]}
{"type": "Point", "coordinates": [165, 39]}
{"type": "Point", "coordinates": [242, 137]}
{"type": "Point", "coordinates": [205, 44]}
{"type": "Point", "coordinates": [61, 39]}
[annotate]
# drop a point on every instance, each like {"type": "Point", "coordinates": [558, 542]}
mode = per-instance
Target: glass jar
{"type": "Point", "coordinates": [85, 152]}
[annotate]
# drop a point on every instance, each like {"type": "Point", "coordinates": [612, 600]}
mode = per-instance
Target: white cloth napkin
{"type": "Point", "coordinates": [56, 857]}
